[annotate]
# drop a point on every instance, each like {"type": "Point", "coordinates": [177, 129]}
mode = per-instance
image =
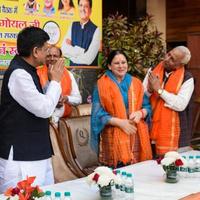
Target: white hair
{"type": "Point", "coordinates": [186, 52]}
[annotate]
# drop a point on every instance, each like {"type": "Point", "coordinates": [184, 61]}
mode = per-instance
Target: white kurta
{"type": "Point", "coordinates": [24, 91]}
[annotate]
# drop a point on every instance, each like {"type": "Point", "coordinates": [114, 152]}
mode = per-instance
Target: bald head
{"type": "Point", "coordinates": [186, 54]}
{"type": "Point", "coordinates": [177, 57]}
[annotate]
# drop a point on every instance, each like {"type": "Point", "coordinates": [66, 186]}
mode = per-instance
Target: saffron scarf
{"type": "Point", "coordinates": [115, 145]}
{"type": "Point", "coordinates": [66, 85]}
{"type": "Point", "coordinates": [165, 123]}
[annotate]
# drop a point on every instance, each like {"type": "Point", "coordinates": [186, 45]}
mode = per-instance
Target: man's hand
{"type": "Point", "coordinates": [62, 101]}
{"type": "Point", "coordinates": [153, 82]}
{"type": "Point", "coordinates": [55, 72]}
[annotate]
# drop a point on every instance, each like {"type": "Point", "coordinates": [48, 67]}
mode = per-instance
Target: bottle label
{"type": "Point", "coordinates": [122, 187]}
{"type": "Point", "coordinates": [129, 190]}
{"type": "Point", "coordinates": [117, 186]}
{"type": "Point", "coordinates": [183, 169]}
{"type": "Point", "coordinates": [191, 170]}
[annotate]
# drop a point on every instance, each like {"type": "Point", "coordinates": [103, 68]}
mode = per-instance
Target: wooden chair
{"type": "Point", "coordinates": [63, 171]}
{"type": "Point", "coordinates": [75, 139]}
{"type": "Point", "coordinates": [73, 156]}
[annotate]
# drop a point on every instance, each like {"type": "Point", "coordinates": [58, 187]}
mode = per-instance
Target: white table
{"type": "Point", "coordinates": [149, 184]}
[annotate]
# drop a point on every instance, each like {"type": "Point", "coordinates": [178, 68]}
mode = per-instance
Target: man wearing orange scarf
{"type": "Point", "coordinates": [170, 88]}
{"type": "Point", "coordinates": [70, 92]}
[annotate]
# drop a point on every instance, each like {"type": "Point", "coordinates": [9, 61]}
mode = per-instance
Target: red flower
{"type": "Point", "coordinates": [96, 177]}
{"type": "Point", "coordinates": [178, 162]}
{"type": "Point", "coordinates": [24, 190]}
{"type": "Point", "coordinates": [158, 160]}
{"type": "Point", "coordinates": [15, 191]}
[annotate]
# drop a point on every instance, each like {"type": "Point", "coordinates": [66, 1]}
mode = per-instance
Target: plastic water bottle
{"type": "Point", "coordinates": [197, 166]}
{"type": "Point", "coordinates": [191, 166]}
{"type": "Point", "coordinates": [123, 178]}
{"type": "Point", "coordinates": [129, 187]}
{"type": "Point", "coordinates": [47, 195]}
{"type": "Point", "coordinates": [122, 186]}
{"type": "Point", "coordinates": [117, 186]}
{"type": "Point", "coordinates": [116, 191]}
{"type": "Point", "coordinates": [67, 196]}
{"type": "Point", "coordinates": [183, 170]}
{"type": "Point", "coordinates": [57, 196]}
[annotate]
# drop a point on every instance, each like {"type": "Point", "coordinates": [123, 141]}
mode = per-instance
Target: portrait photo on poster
{"type": "Point", "coordinates": [66, 7]}
{"type": "Point", "coordinates": [81, 43]}
{"type": "Point", "coordinates": [48, 8]}
{"type": "Point", "coordinates": [31, 6]}
{"type": "Point", "coordinates": [53, 30]}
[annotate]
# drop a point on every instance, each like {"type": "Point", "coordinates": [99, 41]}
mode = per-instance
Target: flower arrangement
{"type": "Point", "coordinates": [24, 191]}
{"type": "Point", "coordinates": [172, 160]}
{"type": "Point", "coordinates": [103, 176]}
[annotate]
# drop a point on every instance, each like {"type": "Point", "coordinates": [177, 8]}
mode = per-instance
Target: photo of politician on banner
{"type": "Point", "coordinates": [75, 26]}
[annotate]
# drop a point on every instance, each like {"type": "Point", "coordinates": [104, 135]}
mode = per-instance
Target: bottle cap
{"type": "Point", "coordinates": [67, 194]}
{"type": "Point", "coordinates": [191, 157]}
{"type": "Point", "coordinates": [57, 194]}
{"type": "Point", "coordinates": [123, 173]}
{"type": "Point", "coordinates": [129, 175]}
{"type": "Point", "coordinates": [117, 171]}
{"type": "Point", "coordinates": [48, 193]}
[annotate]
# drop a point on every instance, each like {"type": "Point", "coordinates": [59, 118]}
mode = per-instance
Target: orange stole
{"type": "Point", "coordinates": [165, 123]}
{"type": "Point", "coordinates": [135, 96]}
{"type": "Point", "coordinates": [66, 85]}
{"type": "Point", "coordinates": [116, 145]}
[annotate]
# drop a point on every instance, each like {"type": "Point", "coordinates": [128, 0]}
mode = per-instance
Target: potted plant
{"type": "Point", "coordinates": [140, 41]}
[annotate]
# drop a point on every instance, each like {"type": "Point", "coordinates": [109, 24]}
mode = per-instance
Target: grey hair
{"type": "Point", "coordinates": [186, 52]}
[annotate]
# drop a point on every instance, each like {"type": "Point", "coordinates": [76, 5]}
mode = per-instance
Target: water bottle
{"type": "Point", "coordinates": [57, 196]}
{"type": "Point", "coordinates": [122, 185]}
{"type": "Point", "coordinates": [123, 178]}
{"type": "Point", "coordinates": [47, 195]}
{"type": "Point", "coordinates": [183, 170]}
{"type": "Point", "coordinates": [116, 192]}
{"type": "Point", "coordinates": [129, 187]}
{"type": "Point", "coordinates": [197, 166]}
{"type": "Point", "coordinates": [67, 196]}
{"type": "Point", "coordinates": [117, 186]}
{"type": "Point", "coordinates": [191, 166]}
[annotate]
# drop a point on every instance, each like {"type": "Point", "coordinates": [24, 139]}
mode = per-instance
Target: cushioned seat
{"type": "Point", "coordinates": [73, 155]}
{"type": "Point", "coordinates": [75, 134]}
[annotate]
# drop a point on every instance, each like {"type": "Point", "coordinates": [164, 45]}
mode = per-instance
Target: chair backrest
{"type": "Point", "coordinates": [62, 171]}
{"type": "Point", "coordinates": [75, 134]}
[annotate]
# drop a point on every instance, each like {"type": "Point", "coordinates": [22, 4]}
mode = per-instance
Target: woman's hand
{"type": "Point", "coordinates": [125, 125]}
{"type": "Point", "coordinates": [138, 115]}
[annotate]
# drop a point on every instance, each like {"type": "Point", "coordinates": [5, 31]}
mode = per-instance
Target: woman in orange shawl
{"type": "Point", "coordinates": [118, 131]}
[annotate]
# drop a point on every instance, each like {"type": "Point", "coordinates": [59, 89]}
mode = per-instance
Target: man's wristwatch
{"type": "Point", "coordinates": [160, 91]}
